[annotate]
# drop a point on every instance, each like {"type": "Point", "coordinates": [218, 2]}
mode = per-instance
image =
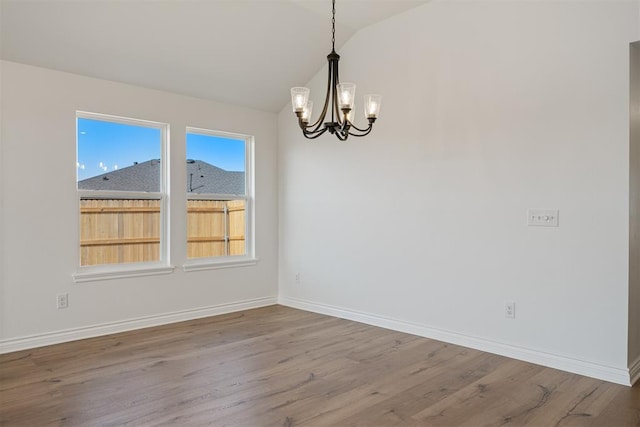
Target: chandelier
{"type": "Point", "coordinates": [340, 97]}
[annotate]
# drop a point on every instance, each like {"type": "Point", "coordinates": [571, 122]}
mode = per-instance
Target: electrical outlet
{"type": "Point", "coordinates": [298, 278]}
{"type": "Point", "coordinates": [62, 301]}
{"type": "Point", "coordinates": [510, 310]}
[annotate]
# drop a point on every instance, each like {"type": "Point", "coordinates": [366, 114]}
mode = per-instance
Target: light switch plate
{"type": "Point", "coordinates": [543, 217]}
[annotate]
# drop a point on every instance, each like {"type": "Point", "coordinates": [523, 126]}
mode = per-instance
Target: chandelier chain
{"type": "Point", "coordinates": [333, 26]}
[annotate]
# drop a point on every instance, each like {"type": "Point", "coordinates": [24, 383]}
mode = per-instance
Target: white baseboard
{"type": "Point", "coordinates": [581, 367]}
{"type": "Point", "coordinates": [32, 341]}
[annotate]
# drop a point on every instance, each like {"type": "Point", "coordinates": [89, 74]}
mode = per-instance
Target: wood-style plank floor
{"type": "Point", "coordinates": [277, 366]}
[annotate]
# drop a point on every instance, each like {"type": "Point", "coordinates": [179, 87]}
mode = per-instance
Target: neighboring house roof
{"type": "Point", "coordinates": [202, 178]}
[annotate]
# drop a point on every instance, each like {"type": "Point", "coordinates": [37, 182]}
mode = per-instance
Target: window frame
{"type": "Point", "coordinates": [85, 273]}
{"type": "Point", "coordinates": [226, 261]}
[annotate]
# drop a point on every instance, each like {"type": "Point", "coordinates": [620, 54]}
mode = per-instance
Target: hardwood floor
{"type": "Point", "coordinates": [278, 366]}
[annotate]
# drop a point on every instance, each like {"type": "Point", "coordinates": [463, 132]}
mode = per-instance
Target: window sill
{"type": "Point", "coordinates": [95, 273]}
{"type": "Point", "coordinates": [212, 264]}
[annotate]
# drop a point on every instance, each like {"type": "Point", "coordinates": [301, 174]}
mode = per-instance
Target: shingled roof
{"type": "Point", "coordinates": [202, 178]}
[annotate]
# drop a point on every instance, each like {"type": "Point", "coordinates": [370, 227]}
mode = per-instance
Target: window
{"type": "Point", "coordinates": [219, 196]}
{"type": "Point", "coordinates": [121, 181]}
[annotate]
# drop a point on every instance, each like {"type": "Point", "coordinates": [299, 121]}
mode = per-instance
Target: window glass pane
{"type": "Point", "coordinates": [118, 231]}
{"type": "Point", "coordinates": [118, 157]}
{"type": "Point", "coordinates": [124, 157]}
{"type": "Point", "coordinates": [215, 228]}
{"type": "Point", "coordinates": [215, 164]}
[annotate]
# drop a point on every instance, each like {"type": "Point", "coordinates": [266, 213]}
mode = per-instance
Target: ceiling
{"type": "Point", "coordinates": [242, 52]}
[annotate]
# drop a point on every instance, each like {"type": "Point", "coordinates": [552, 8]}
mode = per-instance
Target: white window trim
{"type": "Point", "coordinates": [249, 259]}
{"type": "Point", "coordinates": [107, 272]}
{"type": "Point", "coordinates": [89, 273]}
{"type": "Point", "coordinates": [199, 264]}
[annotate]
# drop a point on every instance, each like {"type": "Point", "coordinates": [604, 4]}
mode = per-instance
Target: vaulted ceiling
{"type": "Point", "coordinates": [242, 52]}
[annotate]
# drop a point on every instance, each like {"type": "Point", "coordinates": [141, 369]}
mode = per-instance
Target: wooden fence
{"type": "Point", "coordinates": [125, 231]}
{"type": "Point", "coordinates": [215, 228]}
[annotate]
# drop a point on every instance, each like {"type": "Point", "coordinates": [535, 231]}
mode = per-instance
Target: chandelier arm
{"type": "Point", "coordinates": [341, 122]}
{"type": "Point", "coordinates": [317, 123]}
{"type": "Point", "coordinates": [313, 135]}
{"type": "Point", "coordinates": [333, 66]}
{"type": "Point", "coordinates": [334, 93]}
{"type": "Point", "coordinates": [368, 129]}
{"type": "Point", "coordinates": [344, 128]}
{"type": "Point", "coordinates": [320, 120]}
{"type": "Point", "coordinates": [342, 136]}
{"type": "Point", "coordinates": [365, 132]}
{"type": "Point", "coordinates": [308, 129]}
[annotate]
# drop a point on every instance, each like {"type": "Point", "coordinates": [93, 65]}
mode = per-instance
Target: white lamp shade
{"type": "Point", "coordinates": [346, 95]}
{"type": "Point", "coordinates": [299, 98]}
{"type": "Point", "coordinates": [372, 106]}
{"type": "Point", "coordinates": [306, 112]}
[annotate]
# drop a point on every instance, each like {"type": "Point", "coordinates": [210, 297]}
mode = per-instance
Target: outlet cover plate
{"type": "Point", "coordinates": [510, 310]}
{"type": "Point", "coordinates": [62, 301]}
{"type": "Point", "coordinates": [543, 218]}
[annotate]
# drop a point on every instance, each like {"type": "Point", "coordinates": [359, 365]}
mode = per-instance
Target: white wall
{"type": "Point", "coordinates": [40, 211]}
{"type": "Point", "coordinates": [634, 210]}
{"type": "Point", "coordinates": [489, 108]}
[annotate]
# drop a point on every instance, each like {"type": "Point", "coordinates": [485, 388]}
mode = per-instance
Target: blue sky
{"type": "Point", "coordinates": [225, 153]}
{"type": "Point", "coordinates": [106, 146]}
